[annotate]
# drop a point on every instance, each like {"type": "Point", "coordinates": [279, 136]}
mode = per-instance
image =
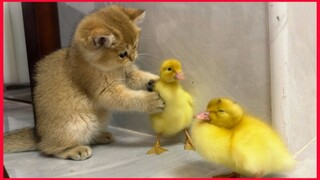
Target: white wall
{"type": "Point", "coordinates": [293, 71]}
{"type": "Point", "coordinates": [223, 48]}
{"type": "Point", "coordinates": [15, 56]}
{"type": "Point", "coordinates": [302, 73]}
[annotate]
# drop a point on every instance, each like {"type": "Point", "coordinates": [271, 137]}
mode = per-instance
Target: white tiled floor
{"type": "Point", "coordinates": [125, 158]}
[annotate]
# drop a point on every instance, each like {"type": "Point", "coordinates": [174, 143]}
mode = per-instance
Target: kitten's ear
{"type": "Point", "coordinates": [136, 15]}
{"type": "Point", "coordinates": [139, 19]}
{"type": "Point", "coordinates": [104, 40]}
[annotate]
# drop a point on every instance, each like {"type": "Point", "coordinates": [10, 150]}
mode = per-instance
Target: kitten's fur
{"type": "Point", "coordinates": [78, 87]}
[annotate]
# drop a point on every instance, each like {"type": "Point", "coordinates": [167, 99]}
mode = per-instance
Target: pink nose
{"type": "Point", "coordinates": [179, 76]}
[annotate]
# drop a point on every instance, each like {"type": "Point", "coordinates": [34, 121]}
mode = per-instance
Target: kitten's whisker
{"type": "Point", "coordinates": [145, 55]}
{"type": "Point", "coordinates": [145, 37]}
{"type": "Point", "coordinates": [144, 60]}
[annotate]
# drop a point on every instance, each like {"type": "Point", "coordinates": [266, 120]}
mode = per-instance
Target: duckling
{"type": "Point", "coordinates": [226, 135]}
{"type": "Point", "coordinates": [178, 112]}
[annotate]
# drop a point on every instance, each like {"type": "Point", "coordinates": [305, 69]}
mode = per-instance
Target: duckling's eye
{"type": "Point", "coordinates": [124, 54]}
{"type": "Point", "coordinates": [220, 110]}
{"type": "Point", "coordinates": [169, 69]}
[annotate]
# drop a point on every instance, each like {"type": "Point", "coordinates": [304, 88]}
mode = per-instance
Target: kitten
{"type": "Point", "coordinates": [78, 87]}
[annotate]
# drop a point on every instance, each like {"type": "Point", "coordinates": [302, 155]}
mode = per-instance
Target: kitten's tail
{"type": "Point", "coordinates": [20, 140]}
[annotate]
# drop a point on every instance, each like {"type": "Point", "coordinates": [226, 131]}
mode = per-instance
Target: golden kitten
{"type": "Point", "coordinates": [78, 87]}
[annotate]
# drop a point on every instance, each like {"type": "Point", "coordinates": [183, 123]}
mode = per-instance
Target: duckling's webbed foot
{"type": "Point", "coordinates": [157, 149]}
{"type": "Point", "coordinates": [188, 146]}
{"type": "Point", "coordinates": [188, 143]}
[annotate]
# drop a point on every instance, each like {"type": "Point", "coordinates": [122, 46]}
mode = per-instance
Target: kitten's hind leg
{"type": "Point", "coordinates": [77, 153]}
{"type": "Point", "coordinates": [103, 138]}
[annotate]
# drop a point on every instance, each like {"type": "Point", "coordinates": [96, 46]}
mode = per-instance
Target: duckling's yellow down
{"type": "Point", "coordinates": [178, 111]}
{"type": "Point", "coordinates": [177, 114]}
{"type": "Point", "coordinates": [239, 141]}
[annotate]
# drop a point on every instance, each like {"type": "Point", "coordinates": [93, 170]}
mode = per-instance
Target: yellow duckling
{"type": "Point", "coordinates": [226, 135]}
{"type": "Point", "coordinates": [178, 112]}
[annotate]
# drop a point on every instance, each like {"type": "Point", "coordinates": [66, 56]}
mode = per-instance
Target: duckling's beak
{"type": "Point", "coordinates": [179, 76]}
{"type": "Point", "coordinates": [203, 116]}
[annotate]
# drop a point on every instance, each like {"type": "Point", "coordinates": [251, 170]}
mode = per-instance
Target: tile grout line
{"type": "Point", "coordinates": [304, 147]}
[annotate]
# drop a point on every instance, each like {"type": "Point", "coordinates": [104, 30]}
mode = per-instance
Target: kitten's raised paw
{"type": "Point", "coordinates": [104, 138]}
{"type": "Point", "coordinates": [77, 153]}
{"type": "Point", "coordinates": [154, 103]}
{"type": "Point", "coordinates": [150, 85]}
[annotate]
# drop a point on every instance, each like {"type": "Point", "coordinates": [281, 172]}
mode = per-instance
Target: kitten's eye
{"type": "Point", "coordinates": [124, 54]}
{"type": "Point", "coordinates": [169, 69]}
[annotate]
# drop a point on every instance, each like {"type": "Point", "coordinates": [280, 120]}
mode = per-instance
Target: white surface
{"type": "Point", "coordinates": [17, 115]}
{"type": "Point", "coordinates": [302, 73]}
{"type": "Point", "coordinates": [292, 56]}
{"type": "Point", "coordinates": [278, 40]}
{"type": "Point", "coordinates": [126, 157]}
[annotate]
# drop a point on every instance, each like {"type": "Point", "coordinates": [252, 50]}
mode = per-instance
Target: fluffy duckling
{"type": "Point", "coordinates": [226, 135]}
{"type": "Point", "coordinates": [178, 112]}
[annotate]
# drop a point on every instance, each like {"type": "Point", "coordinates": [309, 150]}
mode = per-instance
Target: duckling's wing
{"type": "Point", "coordinates": [257, 149]}
{"type": "Point", "coordinates": [190, 100]}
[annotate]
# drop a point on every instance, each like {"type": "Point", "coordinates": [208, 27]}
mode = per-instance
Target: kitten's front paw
{"type": "Point", "coordinates": [154, 103]}
{"type": "Point", "coordinates": [150, 85]}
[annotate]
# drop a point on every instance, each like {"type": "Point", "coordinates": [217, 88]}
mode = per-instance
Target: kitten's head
{"type": "Point", "coordinates": [109, 37]}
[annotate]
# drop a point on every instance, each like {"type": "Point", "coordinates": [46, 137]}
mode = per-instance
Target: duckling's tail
{"type": "Point", "coordinates": [286, 163]}
{"type": "Point", "coordinates": [20, 140]}
{"type": "Point", "coordinates": [289, 163]}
